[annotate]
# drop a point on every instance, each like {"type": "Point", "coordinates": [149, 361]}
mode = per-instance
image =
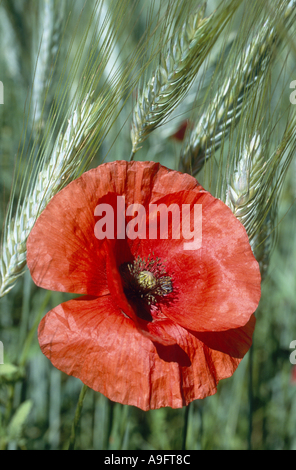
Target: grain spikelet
{"type": "Point", "coordinates": [176, 71]}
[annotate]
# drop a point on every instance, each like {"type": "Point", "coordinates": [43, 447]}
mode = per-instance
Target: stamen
{"type": "Point", "coordinates": [146, 279]}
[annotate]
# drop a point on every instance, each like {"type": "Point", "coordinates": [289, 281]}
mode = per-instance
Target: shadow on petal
{"type": "Point", "coordinates": [235, 342]}
{"type": "Point", "coordinates": [173, 353]}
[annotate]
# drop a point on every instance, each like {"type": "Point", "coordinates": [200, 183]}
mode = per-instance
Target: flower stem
{"type": "Point", "coordinates": [185, 428]}
{"type": "Point", "coordinates": [110, 417]}
{"type": "Point", "coordinates": [9, 405]}
{"type": "Point", "coordinates": [77, 417]}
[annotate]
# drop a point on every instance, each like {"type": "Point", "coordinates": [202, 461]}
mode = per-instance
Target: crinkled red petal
{"type": "Point", "coordinates": [63, 253]}
{"type": "Point", "coordinates": [92, 340]}
{"type": "Point", "coordinates": [216, 287]}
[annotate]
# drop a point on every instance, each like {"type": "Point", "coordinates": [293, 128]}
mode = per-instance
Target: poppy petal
{"type": "Point", "coordinates": [217, 286]}
{"type": "Point", "coordinates": [90, 339]}
{"type": "Point", "coordinates": [63, 253]}
{"type": "Point", "coordinates": [235, 342]}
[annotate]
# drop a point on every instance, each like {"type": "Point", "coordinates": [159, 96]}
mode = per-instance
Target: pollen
{"type": "Point", "coordinates": [146, 279]}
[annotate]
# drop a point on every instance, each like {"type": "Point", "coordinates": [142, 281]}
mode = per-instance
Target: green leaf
{"type": "Point", "coordinates": [10, 373]}
{"type": "Point", "coordinates": [19, 418]}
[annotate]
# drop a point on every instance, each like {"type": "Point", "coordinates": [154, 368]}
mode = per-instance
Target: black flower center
{"type": "Point", "coordinates": [146, 280]}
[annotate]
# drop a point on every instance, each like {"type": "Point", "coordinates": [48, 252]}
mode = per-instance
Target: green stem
{"type": "Point", "coordinates": [110, 417]}
{"type": "Point", "coordinates": [31, 335]}
{"type": "Point", "coordinates": [185, 428]}
{"type": "Point", "coordinates": [125, 427]}
{"type": "Point", "coordinates": [77, 417]}
{"type": "Point", "coordinates": [250, 398]}
{"type": "Point", "coordinates": [9, 405]}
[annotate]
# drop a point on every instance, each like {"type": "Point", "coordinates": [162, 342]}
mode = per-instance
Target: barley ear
{"type": "Point", "coordinates": [263, 241]}
{"type": "Point", "coordinates": [186, 51]}
{"type": "Point", "coordinates": [67, 150]}
{"type": "Point", "coordinates": [255, 185]}
{"type": "Point", "coordinates": [54, 174]}
{"type": "Point", "coordinates": [225, 109]}
{"type": "Point", "coordinates": [246, 194]}
{"type": "Point", "coordinates": [51, 14]}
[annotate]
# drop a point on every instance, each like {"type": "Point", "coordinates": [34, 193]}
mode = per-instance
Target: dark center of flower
{"type": "Point", "coordinates": [146, 279]}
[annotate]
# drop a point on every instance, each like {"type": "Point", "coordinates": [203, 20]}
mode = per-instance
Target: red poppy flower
{"type": "Point", "coordinates": [181, 131]}
{"type": "Point", "coordinates": [158, 325]}
{"type": "Point", "coordinates": [293, 376]}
